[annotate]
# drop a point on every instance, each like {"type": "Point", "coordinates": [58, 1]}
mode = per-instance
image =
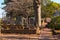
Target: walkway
{"type": "Point", "coordinates": [46, 34]}
{"type": "Point", "coordinates": [19, 37]}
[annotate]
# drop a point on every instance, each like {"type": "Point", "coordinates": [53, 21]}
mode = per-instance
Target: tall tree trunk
{"type": "Point", "coordinates": [37, 8]}
{"type": "Point", "coordinates": [39, 18]}
{"type": "Point", "coordinates": [39, 15]}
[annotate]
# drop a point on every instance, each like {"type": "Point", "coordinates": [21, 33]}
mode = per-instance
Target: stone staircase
{"type": "Point", "coordinates": [46, 34]}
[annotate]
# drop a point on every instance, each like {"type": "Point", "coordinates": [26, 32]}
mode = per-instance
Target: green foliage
{"type": "Point", "coordinates": [6, 1]}
{"type": "Point", "coordinates": [49, 9]}
{"type": "Point", "coordinates": [55, 23]}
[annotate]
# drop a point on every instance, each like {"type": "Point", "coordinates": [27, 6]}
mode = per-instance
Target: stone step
{"type": "Point", "coordinates": [51, 36]}
{"type": "Point", "coordinates": [47, 38]}
{"type": "Point", "coordinates": [46, 29]}
{"type": "Point", "coordinates": [46, 34]}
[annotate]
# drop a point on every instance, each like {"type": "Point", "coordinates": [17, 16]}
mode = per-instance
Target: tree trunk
{"type": "Point", "coordinates": [27, 22]}
{"type": "Point", "coordinates": [35, 11]}
{"type": "Point", "coordinates": [37, 8]}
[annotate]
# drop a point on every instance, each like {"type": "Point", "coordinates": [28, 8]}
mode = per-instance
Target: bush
{"type": "Point", "coordinates": [55, 23]}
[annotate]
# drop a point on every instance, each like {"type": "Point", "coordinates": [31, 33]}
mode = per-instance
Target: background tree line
{"type": "Point", "coordinates": [26, 8]}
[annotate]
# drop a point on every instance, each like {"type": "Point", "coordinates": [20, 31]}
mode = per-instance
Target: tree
{"type": "Point", "coordinates": [49, 9]}
{"type": "Point", "coordinates": [18, 6]}
{"type": "Point", "coordinates": [55, 23]}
